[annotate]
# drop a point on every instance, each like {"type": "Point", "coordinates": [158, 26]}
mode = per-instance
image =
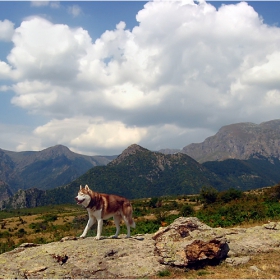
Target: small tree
{"type": "Point", "coordinates": [230, 194]}
{"type": "Point", "coordinates": [186, 210]}
{"type": "Point", "coordinates": [208, 195]}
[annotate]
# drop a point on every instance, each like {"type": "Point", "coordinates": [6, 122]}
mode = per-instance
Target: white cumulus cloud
{"type": "Point", "coordinates": [185, 70]}
{"type": "Point", "coordinates": [6, 30]}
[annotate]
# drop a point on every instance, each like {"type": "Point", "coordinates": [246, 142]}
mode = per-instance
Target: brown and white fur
{"type": "Point", "coordinates": [101, 207]}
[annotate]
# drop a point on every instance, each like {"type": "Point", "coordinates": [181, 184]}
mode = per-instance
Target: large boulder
{"type": "Point", "coordinates": [187, 241]}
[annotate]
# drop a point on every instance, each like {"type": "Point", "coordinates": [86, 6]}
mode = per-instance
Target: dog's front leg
{"type": "Point", "coordinates": [99, 228]}
{"type": "Point", "coordinates": [90, 222]}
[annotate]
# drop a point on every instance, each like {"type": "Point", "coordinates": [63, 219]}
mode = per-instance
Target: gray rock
{"type": "Point", "coordinates": [84, 258]}
{"type": "Point", "coordinates": [237, 260]}
{"type": "Point", "coordinates": [187, 241]}
{"type": "Point", "coordinates": [255, 268]}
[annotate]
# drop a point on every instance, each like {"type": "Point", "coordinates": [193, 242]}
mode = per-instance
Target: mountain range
{"type": "Point", "coordinates": [244, 156]}
{"type": "Point", "coordinates": [46, 169]}
{"type": "Point", "coordinates": [239, 141]}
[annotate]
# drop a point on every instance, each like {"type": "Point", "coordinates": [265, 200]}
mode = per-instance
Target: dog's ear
{"type": "Point", "coordinates": [81, 187]}
{"type": "Point", "coordinates": [86, 187]}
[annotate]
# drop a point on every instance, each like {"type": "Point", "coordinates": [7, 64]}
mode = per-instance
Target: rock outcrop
{"type": "Point", "coordinates": [186, 242]}
{"type": "Point", "coordinates": [239, 141]}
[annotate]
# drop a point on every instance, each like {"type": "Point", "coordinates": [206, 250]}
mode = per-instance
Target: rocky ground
{"type": "Point", "coordinates": [185, 242]}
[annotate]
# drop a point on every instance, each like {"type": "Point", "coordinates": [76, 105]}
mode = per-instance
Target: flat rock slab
{"type": "Point", "coordinates": [186, 241]}
{"type": "Point", "coordinates": [83, 258]}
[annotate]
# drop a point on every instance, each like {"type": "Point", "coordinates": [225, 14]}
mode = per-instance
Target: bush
{"type": "Point", "coordinates": [229, 195]}
{"type": "Point", "coordinates": [164, 273]}
{"type": "Point", "coordinates": [187, 210]}
{"type": "Point", "coordinates": [208, 195]}
{"type": "Point", "coordinates": [38, 227]}
{"type": "Point", "coordinates": [49, 218]}
{"type": "Point", "coordinates": [21, 232]}
{"type": "Point", "coordinates": [147, 226]}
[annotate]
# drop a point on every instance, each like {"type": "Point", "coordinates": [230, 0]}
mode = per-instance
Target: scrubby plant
{"type": "Point", "coordinates": [164, 273]}
{"type": "Point", "coordinates": [208, 195]}
{"type": "Point", "coordinates": [187, 210]}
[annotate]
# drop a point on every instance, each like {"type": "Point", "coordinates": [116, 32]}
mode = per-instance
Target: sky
{"type": "Point", "coordinates": [98, 76]}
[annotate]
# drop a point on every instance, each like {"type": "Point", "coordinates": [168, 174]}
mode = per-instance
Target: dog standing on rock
{"type": "Point", "coordinates": [101, 207]}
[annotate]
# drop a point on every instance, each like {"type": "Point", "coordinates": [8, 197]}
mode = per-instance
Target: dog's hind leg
{"type": "Point", "coordinates": [127, 226]}
{"type": "Point", "coordinates": [117, 221]}
{"type": "Point", "coordinates": [127, 217]}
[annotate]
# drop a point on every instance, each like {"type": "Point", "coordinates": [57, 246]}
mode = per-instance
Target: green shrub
{"type": "Point", "coordinates": [187, 210]}
{"type": "Point", "coordinates": [208, 195]}
{"type": "Point", "coordinates": [164, 273]}
{"type": "Point", "coordinates": [4, 234]}
{"type": "Point", "coordinates": [20, 233]}
{"type": "Point", "coordinates": [229, 195]}
{"type": "Point", "coordinates": [49, 217]}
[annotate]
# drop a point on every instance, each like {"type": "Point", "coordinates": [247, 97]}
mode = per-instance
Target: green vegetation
{"type": "Point", "coordinates": [164, 273]}
{"type": "Point", "coordinates": [225, 208]}
{"type": "Point", "coordinates": [232, 207]}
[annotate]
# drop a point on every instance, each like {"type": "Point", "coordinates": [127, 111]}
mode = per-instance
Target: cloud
{"type": "Point", "coordinates": [39, 3]}
{"type": "Point", "coordinates": [18, 138]}
{"type": "Point", "coordinates": [5, 70]}
{"type": "Point", "coordinates": [184, 71]}
{"type": "Point", "coordinates": [6, 30]}
{"type": "Point", "coordinates": [74, 10]}
{"type": "Point", "coordinates": [44, 51]}
{"type": "Point", "coordinates": [52, 4]}
{"type": "Point", "coordinates": [91, 134]}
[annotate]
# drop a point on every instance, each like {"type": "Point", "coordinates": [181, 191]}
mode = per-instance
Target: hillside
{"type": "Point", "coordinates": [239, 141]}
{"type": "Point", "coordinates": [243, 155]}
{"type": "Point", "coordinates": [46, 169]}
{"type": "Point", "coordinates": [139, 173]}
{"type": "Point", "coordinates": [135, 173]}
{"type": "Point", "coordinates": [248, 174]}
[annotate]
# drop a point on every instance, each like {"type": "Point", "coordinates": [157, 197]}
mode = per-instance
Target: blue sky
{"type": "Point", "coordinates": [98, 76]}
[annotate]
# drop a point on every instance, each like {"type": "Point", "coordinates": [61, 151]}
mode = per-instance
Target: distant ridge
{"type": "Point", "coordinates": [46, 169]}
{"type": "Point", "coordinates": [243, 155]}
{"type": "Point", "coordinates": [140, 173]}
{"type": "Point", "coordinates": [239, 141]}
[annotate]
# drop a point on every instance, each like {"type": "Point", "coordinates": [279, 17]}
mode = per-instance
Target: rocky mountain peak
{"type": "Point", "coordinates": [130, 150]}
{"type": "Point", "coordinates": [55, 151]}
{"type": "Point", "coordinates": [239, 141]}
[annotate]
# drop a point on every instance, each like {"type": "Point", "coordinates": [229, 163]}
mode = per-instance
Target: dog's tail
{"type": "Point", "coordinates": [127, 212]}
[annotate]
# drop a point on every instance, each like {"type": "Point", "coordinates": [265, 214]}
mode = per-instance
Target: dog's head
{"type": "Point", "coordinates": [83, 196]}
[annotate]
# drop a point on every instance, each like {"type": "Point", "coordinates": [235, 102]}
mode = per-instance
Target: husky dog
{"type": "Point", "coordinates": [101, 207]}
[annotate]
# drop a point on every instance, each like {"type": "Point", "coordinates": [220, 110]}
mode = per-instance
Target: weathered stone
{"type": "Point", "coordinates": [187, 241]}
{"type": "Point", "coordinates": [201, 251]}
{"type": "Point", "coordinates": [84, 258]}
{"type": "Point", "coordinates": [255, 269]}
{"type": "Point", "coordinates": [68, 238]}
{"type": "Point", "coordinates": [237, 260]}
{"type": "Point", "coordinates": [28, 245]}
{"type": "Point", "coordinates": [249, 241]}
{"type": "Point", "coordinates": [272, 225]}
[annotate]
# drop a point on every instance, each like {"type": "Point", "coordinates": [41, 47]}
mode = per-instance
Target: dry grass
{"type": "Point", "coordinates": [13, 225]}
